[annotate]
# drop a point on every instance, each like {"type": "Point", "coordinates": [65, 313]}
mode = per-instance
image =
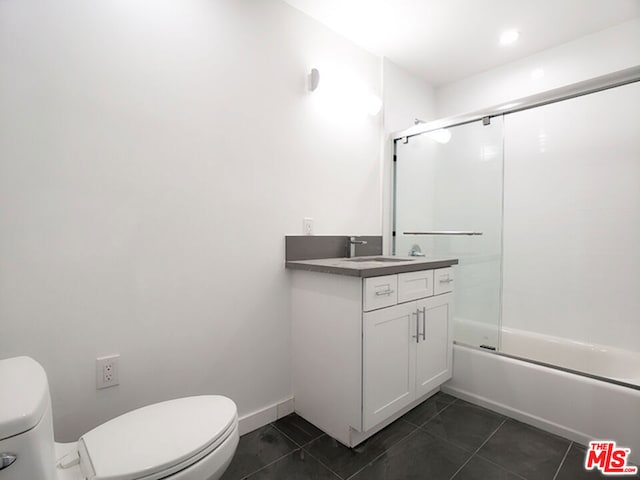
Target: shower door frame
{"type": "Point", "coordinates": [594, 85]}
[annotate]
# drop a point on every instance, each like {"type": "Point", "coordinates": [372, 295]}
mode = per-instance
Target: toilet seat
{"type": "Point", "coordinates": [156, 441]}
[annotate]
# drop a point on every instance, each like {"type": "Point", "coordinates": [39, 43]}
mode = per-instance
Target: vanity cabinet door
{"type": "Point", "coordinates": [389, 359]}
{"type": "Point", "coordinates": [434, 348]}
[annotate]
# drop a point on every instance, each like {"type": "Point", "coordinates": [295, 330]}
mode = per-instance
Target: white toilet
{"type": "Point", "coordinates": [192, 438]}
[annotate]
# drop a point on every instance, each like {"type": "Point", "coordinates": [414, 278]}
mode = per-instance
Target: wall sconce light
{"type": "Point", "coordinates": [314, 79]}
{"type": "Point", "coordinates": [344, 93]}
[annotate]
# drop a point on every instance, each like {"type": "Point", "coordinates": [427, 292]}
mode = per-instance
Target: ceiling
{"type": "Point", "coordinates": [446, 40]}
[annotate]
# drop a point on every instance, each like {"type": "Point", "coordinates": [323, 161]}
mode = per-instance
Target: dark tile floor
{"type": "Point", "coordinates": [441, 439]}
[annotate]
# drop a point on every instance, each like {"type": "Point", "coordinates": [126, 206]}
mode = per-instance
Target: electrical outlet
{"type": "Point", "coordinates": [307, 226]}
{"type": "Point", "coordinates": [107, 371]}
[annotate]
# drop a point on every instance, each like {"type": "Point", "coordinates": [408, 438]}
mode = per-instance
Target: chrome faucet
{"type": "Point", "coordinates": [416, 251]}
{"type": "Point", "coordinates": [351, 246]}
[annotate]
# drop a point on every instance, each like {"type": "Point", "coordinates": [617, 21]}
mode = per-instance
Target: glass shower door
{"type": "Point", "coordinates": [448, 203]}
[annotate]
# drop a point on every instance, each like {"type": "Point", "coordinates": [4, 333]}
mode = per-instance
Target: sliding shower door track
{"type": "Point", "coordinates": [597, 84]}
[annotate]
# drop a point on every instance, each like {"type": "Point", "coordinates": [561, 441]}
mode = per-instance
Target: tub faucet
{"type": "Point", "coordinates": [351, 246]}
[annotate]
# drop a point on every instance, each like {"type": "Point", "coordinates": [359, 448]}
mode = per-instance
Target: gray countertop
{"type": "Point", "coordinates": [371, 268]}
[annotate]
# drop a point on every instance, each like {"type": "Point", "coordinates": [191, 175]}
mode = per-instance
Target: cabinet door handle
{"type": "Point", "coordinates": [424, 323]}
{"type": "Point", "coordinates": [417, 335]}
{"type": "Point", "coordinates": [446, 280]}
{"type": "Point", "coordinates": [381, 293]}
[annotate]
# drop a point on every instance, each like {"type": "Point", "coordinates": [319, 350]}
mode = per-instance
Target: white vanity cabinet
{"type": "Point", "coordinates": [406, 355]}
{"type": "Point", "coordinates": [366, 350]}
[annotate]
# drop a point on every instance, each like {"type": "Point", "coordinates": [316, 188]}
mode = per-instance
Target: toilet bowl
{"type": "Point", "coordinates": [191, 438]}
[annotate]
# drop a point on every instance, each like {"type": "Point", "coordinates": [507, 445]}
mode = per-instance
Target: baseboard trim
{"type": "Point", "coordinates": [259, 418]}
{"type": "Point", "coordinates": [524, 417]}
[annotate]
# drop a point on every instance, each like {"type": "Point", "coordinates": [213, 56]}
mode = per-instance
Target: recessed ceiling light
{"type": "Point", "coordinates": [509, 36]}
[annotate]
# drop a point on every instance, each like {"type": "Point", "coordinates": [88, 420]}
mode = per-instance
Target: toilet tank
{"type": "Point", "coordinates": [26, 426]}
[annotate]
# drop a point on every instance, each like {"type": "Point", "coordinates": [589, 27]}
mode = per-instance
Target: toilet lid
{"type": "Point", "coordinates": [153, 439]}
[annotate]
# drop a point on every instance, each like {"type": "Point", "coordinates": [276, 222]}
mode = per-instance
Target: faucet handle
{"type": "Point", "coordinates": [351, 246]}
{"type": "Point", "coordinates": [353, 241]}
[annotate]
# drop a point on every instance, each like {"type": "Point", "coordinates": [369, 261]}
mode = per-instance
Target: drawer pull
{"type": "Point", "coordinates": [384, 293]}
{"type": "Point", "coordinates": [446, 280]}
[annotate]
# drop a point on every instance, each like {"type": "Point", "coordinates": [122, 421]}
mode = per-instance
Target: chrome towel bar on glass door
{"type": "Point", "coordinates": [443, 232]}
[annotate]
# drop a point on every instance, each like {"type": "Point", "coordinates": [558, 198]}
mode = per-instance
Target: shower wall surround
{"type": "Point", "coordinates": [572, 219]}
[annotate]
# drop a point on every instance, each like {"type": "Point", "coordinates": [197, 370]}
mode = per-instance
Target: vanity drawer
{"type": "Point", "coordinates": [443, 280]}
{"type": "Point", "coordinates": [415, 285]}
{"type": "Point", "coordinates": [380, 292]}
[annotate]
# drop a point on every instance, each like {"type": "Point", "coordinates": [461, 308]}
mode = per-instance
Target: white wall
{"type": "Point", "coordinates": [152, 157]}
{"type": "Point", "coordinates": [406, 97]}
{"type": "Point", "coordinates": [597, 54]}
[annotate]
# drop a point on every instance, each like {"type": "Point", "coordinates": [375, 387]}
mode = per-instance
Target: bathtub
{"type": "Point", "coordinates": [599, 360]}
{"type": "Point", "coordinates": [589, 358]}
{"type": "Point", "coordinates": [574, 406]}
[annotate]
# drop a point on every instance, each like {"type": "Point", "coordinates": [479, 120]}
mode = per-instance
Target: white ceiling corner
{"type": "Point", "coordinates": [446, 40]}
